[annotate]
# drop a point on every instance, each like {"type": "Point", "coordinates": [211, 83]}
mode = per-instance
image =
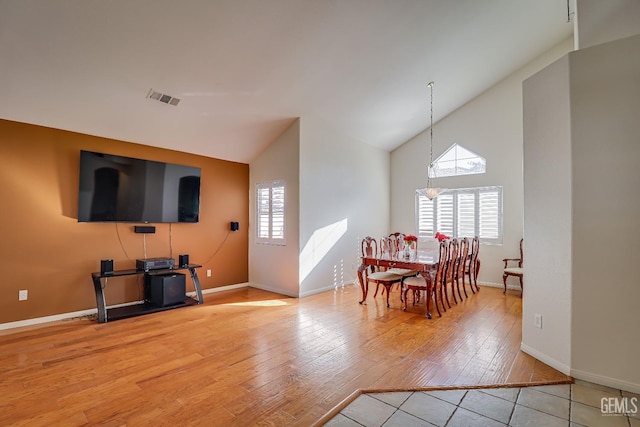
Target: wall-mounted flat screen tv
{"type": "Point", "coordinates": [124, 189]}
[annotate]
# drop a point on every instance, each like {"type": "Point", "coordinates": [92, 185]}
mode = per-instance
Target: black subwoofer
{"type": "Point", "coordinates": [166, 289]}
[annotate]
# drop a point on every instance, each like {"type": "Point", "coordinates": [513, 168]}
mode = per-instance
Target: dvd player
{"type": "Point", "coordinates": [147, 264]}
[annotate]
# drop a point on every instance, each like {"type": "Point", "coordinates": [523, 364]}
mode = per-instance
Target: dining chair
{"type": "Point", "coordinates": [387, 249]}
{"type": "Point", "coordinates": [419, 283]}
{"type": "Point", "coordinates": [370, 249]}
{"type": "Point", "coordinates": [513, 271]}
{"type": "Point", "coordinates": [450, 272]}
{"type": "Point", "coordinates": [397, 240]}
{"type": "Point", "coordinates": [473, 265]}
{"type": "Point", "coordinates": [397, 247]}
{"type": "Point", "coordinates": [463, 254]}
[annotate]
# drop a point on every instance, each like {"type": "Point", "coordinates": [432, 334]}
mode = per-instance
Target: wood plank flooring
{"type": "Point", "coordinates": [250, 357]}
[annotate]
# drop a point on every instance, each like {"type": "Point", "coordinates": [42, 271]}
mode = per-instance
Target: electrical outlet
{"type": "Point", "coordinates": [538, 321]}
{"type": "Point", "coordinates": [23, 295]}
{"type": "Point", "coordinates": [209, 273]}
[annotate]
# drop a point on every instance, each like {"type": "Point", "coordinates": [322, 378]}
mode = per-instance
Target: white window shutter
{"type": "Point", "coordinates": [459, 213]}
{"type": "Point", "coordinates": [444, 213]}
{"type": "Point", "coordinates": [466, 214]}
{"type": "Point", "coordinates": [263, 212]}
{"type": "Point", "coordinates": [270, 212]}
{"type": "Point", "coordinates": [424, 215]}
{"type": "Point", "coordinates": [490, 215]}
{"type": "Point", "coordinates": [277, 211]}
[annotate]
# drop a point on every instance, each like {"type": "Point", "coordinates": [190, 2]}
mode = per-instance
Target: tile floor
{"type": "Point", "coordinates": [569, 405]}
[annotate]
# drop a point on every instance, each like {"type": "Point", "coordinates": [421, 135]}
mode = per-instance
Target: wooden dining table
{"type": "Point", "coordinates": [423, 261]}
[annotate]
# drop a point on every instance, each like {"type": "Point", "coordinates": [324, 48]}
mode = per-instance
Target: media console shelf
{"type": "Point", "coordinates": [105, 314]}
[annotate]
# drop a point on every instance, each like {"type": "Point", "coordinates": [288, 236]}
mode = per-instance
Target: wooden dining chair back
{"type": "Point", "coordinates": [385, 278]}
{"type": "Point", "coordinates": [513, 271]}
{"type": "Point", "coordinates": [419, 284]}
{"type": "Point", "coordinates": [397, 242]}
{"type": "Point", "coordinates": [397, 247]}
{"type": "Point", "coordinates": [461, 263]}
{"type": "Point", "coordinates": [450, 272]}
{"type": "Point", "coordinates": [386, 247]}
{"type": "Point", "coordinates": [369, 248]}
{"type": "Point", "coordinates": [473, 264]}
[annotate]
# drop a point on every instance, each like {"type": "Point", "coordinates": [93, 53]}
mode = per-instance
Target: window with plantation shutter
{"type": "Point", "coordinates": [444, 213]}
{"type": "Point", "coordinates": [464, 212]}
{"type": "Point", "coordinates": [270, 207]}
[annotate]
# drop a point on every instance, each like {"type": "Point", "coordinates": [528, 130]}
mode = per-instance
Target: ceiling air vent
{"type": "Point", "coordinates": [164, 98]}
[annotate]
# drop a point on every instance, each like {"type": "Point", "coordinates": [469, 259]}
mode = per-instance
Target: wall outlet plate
{"type": "Point", "coordinates": [538, 321]}
{"type": "Point", "coordinates": [23, 295]}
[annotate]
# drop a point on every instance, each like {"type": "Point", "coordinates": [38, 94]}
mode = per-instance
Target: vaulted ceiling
{"type": "Point", "coordinates": [245, 69]}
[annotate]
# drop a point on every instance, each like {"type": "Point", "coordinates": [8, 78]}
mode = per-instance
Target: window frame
{"type": "Point", "coordinates": [273, 218]}
{"type": "Point", "coordinates": [453, 217]}
{"type": "Point", "coordinates": [458, 170]}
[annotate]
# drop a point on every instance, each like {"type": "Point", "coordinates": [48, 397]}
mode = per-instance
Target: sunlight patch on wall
{"type": "Point", "coordinates": [319, 244]}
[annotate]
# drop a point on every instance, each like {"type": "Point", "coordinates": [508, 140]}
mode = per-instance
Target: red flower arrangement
{"type": "Point", "coordinates": [410, 239]}
{"type": "Point", "coordinates": [442, 237]}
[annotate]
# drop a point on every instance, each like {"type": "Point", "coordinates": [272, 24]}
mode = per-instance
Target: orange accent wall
{"type": "Point", "coordinates": [45, 250]}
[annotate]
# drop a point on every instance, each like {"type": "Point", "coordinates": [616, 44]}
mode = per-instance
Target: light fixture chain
{"type": "Point", "coordinates": [431, 192]}
{"type": "Point", "coordinates": [431, 127]}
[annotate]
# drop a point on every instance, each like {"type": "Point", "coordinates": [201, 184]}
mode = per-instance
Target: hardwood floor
{"type": "Point", "coordinates": [250, 357]}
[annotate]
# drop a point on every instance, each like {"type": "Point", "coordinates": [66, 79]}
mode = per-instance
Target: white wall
{"type": "Point", "coordinates": [337, 192]}
{"type": "Point", "coordinates": [344, 196]}
{"type": "Point", "coordinates": [275, 268]}
{"type": "Point", "coordinates": [590, 249]}
{"type": "Point", "coordinates": [600, 21]}
{"type": "Point", "coordinates": [491, 126]}
{"type": "Point", "coordinates": [605, 108]}
{"type": "Point", "coordinates": [548, 216]}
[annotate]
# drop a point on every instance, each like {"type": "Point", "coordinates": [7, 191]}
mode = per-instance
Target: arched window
{"type": "Point", "coordinates": [457, 160]}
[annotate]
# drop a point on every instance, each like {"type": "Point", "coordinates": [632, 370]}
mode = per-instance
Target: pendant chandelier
{"type": "Point", "coordinates": [432, 191]}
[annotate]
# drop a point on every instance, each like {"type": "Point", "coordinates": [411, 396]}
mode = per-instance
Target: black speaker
{"type": "Point", "coordinates": [166, 289]}
{"type": "Point", "coordinates": [183, 260]}
{"type": "Point", "coordinates": [146, 229]}
{"type": "Point", "coordinates": [106, 266]}
{"type": "Point", "coordinates": [234, 226]}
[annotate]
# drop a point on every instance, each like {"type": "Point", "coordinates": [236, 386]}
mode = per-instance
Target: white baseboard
{"type": "Point", "coordinates": [582, 375]}
{"type": "Point", "coordinates": [274, 290]}
{"type": "Point", "coordinates": [47, 319]}
{"type": "Point", "coordinates": [304, 293]}
{"type": "Point", "coordinates": [499, 285]}
{"type": "Point", "coordinates": [220, 289]}
{"type": "Point", "coordinates": [609, 382]}
{"type": "Point", "coordinates": [94, 311]}
{"type": "Point", "coordinates": [546, 359]}
{"type": "Point", "coordinates": [327, 288]}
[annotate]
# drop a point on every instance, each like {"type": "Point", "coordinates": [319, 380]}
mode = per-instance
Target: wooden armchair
{"type": "Point", "coordinates": [513, 271]}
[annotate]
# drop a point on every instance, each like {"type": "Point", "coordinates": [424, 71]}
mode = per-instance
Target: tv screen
{"type": "Point", "coordinates": [124, 189]}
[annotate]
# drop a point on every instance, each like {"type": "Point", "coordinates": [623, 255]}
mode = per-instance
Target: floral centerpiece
{"type": "Point", "coordinates": [441, 237]}
{"type": "Point", "coordinates": [410, 240]}
{"type": "Point", "coordinates": [410, 243]}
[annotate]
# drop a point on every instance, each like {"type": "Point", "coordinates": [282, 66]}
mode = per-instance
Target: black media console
{"type": "Point", "coordinates": [151, 304]}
